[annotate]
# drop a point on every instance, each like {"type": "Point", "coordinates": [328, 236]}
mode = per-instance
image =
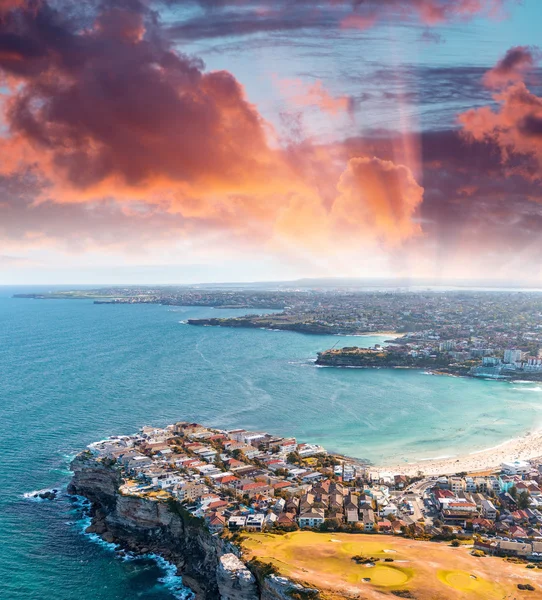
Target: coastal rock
{"type": "Point", "coordinates": [275, 587]}
{"type": "Point", "coordinates": [235, 581]}
{"type": "Point", "coordinates": [208, 564]}
{"type": "Point", "coordinates": [108, 537]}
{"type": "Point", "coordinates": [47, 495]}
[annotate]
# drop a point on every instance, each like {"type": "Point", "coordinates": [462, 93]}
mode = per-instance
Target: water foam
{"type": "Point", "coordinates": [169, 580]}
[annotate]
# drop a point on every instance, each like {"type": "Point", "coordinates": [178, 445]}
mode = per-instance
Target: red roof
{"type": "Point", "coordinates": [282, 484]}
{"type": "Point", "coordinates": [227, 479]}
{"type": "Point", "coordinates": [251, 486]}
{"type": "Point", "coordinates": [217, 504]}
{"type": "Point", "coordinates": [438, 493]}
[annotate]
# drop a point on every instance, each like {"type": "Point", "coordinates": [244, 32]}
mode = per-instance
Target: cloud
{"type": "Point", "coordinates": [246, 17]}
{"type": "Point", "coordinates": [304, 94]}
{"type": "Point", "coordinates": [110, 117]}
{"type": "Point", "coordinates": [380, 193]}
{"type": "Point", "coordinates": [431, 37]}
{"type": "Point", "coordinates": [515, 126]}
{"type": "Point", "coordinates": [512, 67]}
{"type": "Point", "coordinates": [111, 110]}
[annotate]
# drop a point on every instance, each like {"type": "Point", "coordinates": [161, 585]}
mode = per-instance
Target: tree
{"type": "Point", "coordinates": [294, 458]}
{"type": "Point", "coordinates": [514, 492]}
{"type": "Point", "coordinates": [524, 499]}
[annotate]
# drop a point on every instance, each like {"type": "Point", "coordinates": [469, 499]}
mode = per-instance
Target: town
{"type": "Point", "coordinates": [488, 334]}
{"type": "Point", "coordinates": [240, 480]}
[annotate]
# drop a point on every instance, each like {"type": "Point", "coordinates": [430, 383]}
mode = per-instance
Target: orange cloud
{"type": "Point", "coordinates": [357, 21]}
{"type": "Point", "coordinates": [382, 195]}
{"type": "Point", "coordinates": [304, 94]}
{"type": "Point", "coordinates": [516, 125]}
{"type": "Point", "coordinates": [110, 113]}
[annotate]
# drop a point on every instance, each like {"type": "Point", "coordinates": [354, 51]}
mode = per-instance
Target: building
{"type": "Point", "coordinates": [488, 510]}
{"type": "Point", "coordinates": [255, 522]}
{"type": "Point", "coordinates": [457, 484]}
{"type": "Point", "coordinates": [512, 356]}
{"type": "Point", "coordinates": [216, 523]}
{"type": "Point", "coordinates": [190, 491]}
{"type": "Point", "coordinates": [313, 518]}
{"type": "Point", "coordinates": [236, 522]}
{"type": "Point", "coordinates": [368, 518]}
{"type": "Point", "coordinates": [517, 467]}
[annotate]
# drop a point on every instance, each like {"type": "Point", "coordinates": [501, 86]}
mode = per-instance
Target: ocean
{"type": "Point", "coordinates": [72, 372]}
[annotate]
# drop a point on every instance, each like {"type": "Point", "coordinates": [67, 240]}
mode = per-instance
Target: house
{"type": "Point", "coordinates": [287, 446]}
{"type": "Point", "coordinates": [397, 526]}
{"type": "Point", "coordinates": [368, 518]}
{"type": "Point", "coordinates": [481, 484]}
{"type": "Point", "coordinates": [488, 510]}
{"type": "Point", "coordinates": [457, 484]}
{"type": "Point", "coordinates": [352, 515]}
{"type": "Point", "coordinates": [517, 532]}
{"type": "Point", "coordinates": [400, 482]}
{"type": "Point", "coordinates": [190, 491]}
{"type": "Point", "coordinates": [508, 501]}
{"type": "Point", "coordinates": [255, 522]}
{"type": "Point", "coordinates": [480, 524]}
{"type": "Point", "coordinates": [282, 485]}
{"type": "Point", "coordinates": [216, 522]}
{"type": "Point", "coordinates": [384, 526]}
{"type": "Point", "coordinates": [252, 489]}
{"type": "Point", "coordinates": [313, 518]}
{"type": "Point", "coordinates": [470, 485]}
{"type": "Point", "coordinates": [236, 522]}
{"type": "Point", "coordinates": [286, 520]}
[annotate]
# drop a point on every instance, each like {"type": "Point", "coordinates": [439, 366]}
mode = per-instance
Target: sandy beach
{"type": "Point", "coordinates": [526, 447]}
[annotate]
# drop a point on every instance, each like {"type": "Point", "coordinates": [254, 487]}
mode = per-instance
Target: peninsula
{"type": "Point", "coordinates": [224, 506]}
{"type": "Point", "coordinates": [438, 358]}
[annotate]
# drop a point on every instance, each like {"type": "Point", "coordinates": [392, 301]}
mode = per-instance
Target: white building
{"type": "Point", "coordinates": [517, 467]}
{"type": "Point", "coordinates": [512, 356]}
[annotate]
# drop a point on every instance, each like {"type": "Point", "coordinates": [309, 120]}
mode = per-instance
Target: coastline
{"type": "Point", "coordinates": [526, 447]}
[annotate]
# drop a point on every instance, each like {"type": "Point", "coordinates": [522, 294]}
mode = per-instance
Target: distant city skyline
{"type": "Point", "coordinates": [193, 141]}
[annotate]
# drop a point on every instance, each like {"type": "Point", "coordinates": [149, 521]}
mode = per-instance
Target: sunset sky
{"type": "Point", "coordinates": [185, 141]}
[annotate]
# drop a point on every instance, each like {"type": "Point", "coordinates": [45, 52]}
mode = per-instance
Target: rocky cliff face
{"type": "Point", "coordinates": [209, 565]}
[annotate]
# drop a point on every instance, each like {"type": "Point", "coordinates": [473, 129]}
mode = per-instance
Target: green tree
{"type": "Point", "coordinates": [523, 499]}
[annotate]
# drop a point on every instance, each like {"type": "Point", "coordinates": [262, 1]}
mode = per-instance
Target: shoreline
{"type": "Point", "coordinates": [525, 447]}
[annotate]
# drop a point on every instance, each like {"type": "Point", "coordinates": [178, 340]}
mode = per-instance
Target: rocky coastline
{"type": "Point", "coordinates": [281, 323]}
{"type": "Point", "coordinates": [211, 566]}
{"type": "Point", "coordinates": [361, 358]}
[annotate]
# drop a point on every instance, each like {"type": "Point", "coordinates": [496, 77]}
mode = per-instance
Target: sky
{"type": "Point", "coordinates": [187, 141]}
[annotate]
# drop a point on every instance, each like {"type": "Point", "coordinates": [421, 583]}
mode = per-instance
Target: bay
{"type": "Point", "coordinates": [72, 372]}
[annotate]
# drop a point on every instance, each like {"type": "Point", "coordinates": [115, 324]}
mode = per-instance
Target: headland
{"type": "Point", "coordinates": [216, 503]}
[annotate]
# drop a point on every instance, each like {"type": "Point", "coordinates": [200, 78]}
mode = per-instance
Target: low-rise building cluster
{"type": "Point", "coordinates": [245, 480]}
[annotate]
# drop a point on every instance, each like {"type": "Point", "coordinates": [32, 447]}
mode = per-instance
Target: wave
{"type": "Point", "coordinates": [34, 495]}
{"type": "Point", "coordinates": [534, 389]}
{"type": "Point", "coordinates": [443, 457]}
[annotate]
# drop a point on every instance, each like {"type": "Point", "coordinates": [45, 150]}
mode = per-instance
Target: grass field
{"type": "Point", "coordinates": [428, 570]}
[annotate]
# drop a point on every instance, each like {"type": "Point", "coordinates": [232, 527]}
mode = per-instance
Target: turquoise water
{"type": "Point", "coordinates": [72, 372]}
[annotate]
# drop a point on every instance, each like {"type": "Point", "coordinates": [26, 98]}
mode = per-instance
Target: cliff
{"type": "Point", "coordinates": [352, 356]}
{"type": "Point", "coordinates": [280, 323]}
{"type": "Point", "coordinates": [209, 565]}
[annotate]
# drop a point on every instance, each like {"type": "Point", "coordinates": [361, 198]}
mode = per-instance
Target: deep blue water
{"type": "Point", "coordinates": [72, 372]}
